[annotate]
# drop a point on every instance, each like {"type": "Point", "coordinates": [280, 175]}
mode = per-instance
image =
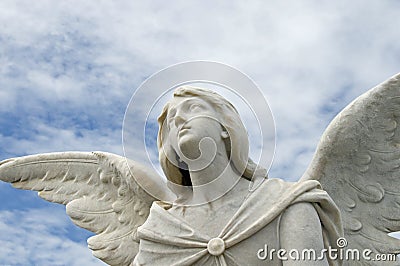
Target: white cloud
{"type": "Point", "coordinates": [35, 237]}
{"type": "Point", "coordinates": [52, 139]}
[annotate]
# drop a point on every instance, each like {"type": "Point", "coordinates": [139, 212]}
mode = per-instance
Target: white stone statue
{"type": "Point", "coordinates": [351, 189]}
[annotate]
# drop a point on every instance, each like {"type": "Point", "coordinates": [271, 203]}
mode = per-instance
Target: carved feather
{"type": "Point", "coordinates": [358, 163]}
{"type": "Point", "coordinates": [99, 191]}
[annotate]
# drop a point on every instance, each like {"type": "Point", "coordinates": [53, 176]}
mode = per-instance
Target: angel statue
{"type": "Point", "coordinates": [216, 215]}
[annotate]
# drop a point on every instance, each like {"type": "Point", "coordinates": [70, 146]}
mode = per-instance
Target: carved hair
{"type": "Point", "coordinates": [237, 141]}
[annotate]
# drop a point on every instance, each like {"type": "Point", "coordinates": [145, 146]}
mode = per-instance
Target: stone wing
{"type": "Point", "coordinates": [358, 163]}
{"type": "Point", "coordinates": [99, 191]}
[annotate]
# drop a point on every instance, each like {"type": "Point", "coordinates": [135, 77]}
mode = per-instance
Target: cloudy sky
{"type": "Point", "coordinates": [69, 68]}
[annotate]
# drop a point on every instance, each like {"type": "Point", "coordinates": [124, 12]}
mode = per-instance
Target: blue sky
{"type": "Point", "coordinates": [69, 68]}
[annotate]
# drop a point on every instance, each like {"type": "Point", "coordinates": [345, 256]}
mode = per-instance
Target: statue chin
{"type": "Point", "coordinates": [197, 153]}
{"type": "Point", "coordinates": [189, 147]}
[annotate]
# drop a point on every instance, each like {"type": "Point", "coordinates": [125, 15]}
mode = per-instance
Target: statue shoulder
{"type": "Point", "coordinates": [300, 229]}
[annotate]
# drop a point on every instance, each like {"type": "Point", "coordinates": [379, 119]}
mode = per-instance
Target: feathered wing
{"type": "Point", "coordinates": [358, 163]}
{"type": "Point", "coordinates": [99, 191]}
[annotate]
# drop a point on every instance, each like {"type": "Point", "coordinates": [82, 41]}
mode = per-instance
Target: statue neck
{"type": "Point", "coordinates": [214, 180]}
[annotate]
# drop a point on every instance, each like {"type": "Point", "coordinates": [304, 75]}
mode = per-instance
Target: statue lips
{"type": "Point", "coordinates": [183, 129]}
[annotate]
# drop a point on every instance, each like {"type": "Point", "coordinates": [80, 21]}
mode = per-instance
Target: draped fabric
{"type": "Point", "coordinates": [169, 240]}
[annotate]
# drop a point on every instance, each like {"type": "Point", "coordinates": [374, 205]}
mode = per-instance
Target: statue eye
{"type": "Point", "coordinates": [170, 120]}
{"type": "Point", "coordinates": [170, 117]}
{"type": "Point", "coordinates": [195, 107]}
{"type": "Point", "coordinates": [172, 113]}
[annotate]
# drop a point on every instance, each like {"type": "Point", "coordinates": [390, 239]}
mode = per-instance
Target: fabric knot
{"type": "Point", "coordinates": [216, 246]}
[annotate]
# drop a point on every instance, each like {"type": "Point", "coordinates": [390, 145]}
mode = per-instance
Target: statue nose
{"type": "Point", "coordinates": [179, 121]}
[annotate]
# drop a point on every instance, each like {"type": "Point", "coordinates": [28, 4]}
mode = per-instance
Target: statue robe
{"type": "Point", "coordinates": [169, 240]}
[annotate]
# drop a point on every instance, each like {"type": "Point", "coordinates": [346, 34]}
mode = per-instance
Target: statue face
{"type": "Point", "coordinates": [194, 127]}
